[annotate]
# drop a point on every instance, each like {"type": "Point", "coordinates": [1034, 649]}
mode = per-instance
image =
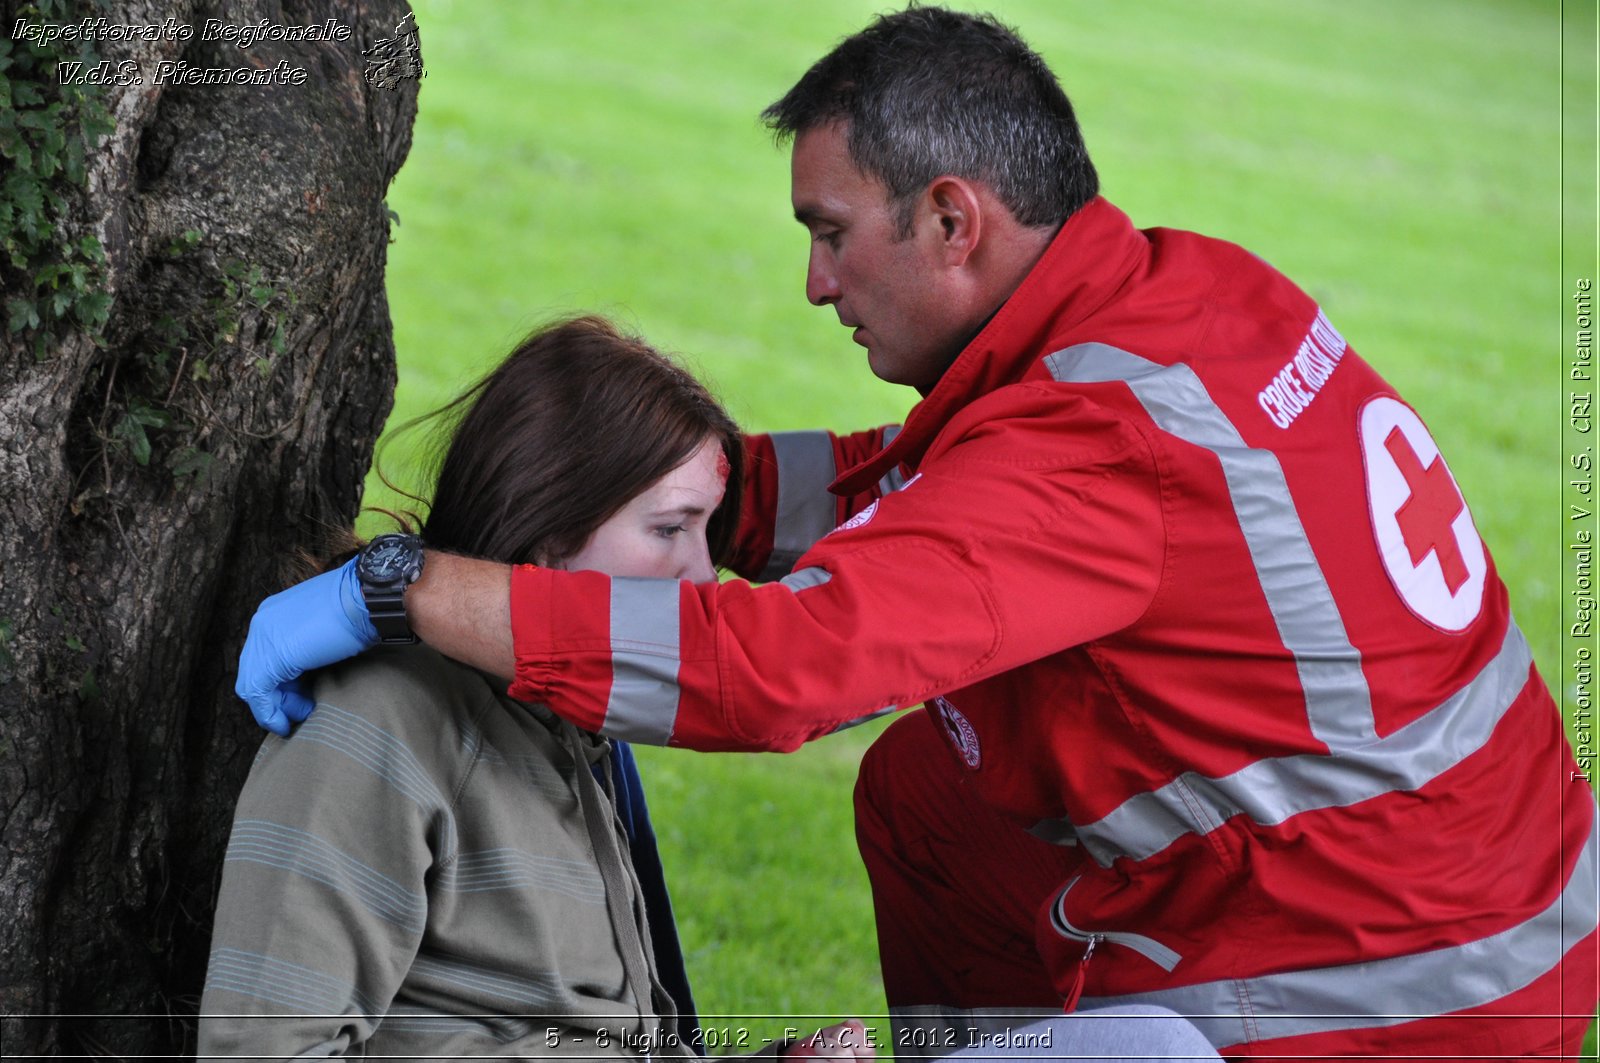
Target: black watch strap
{"type": "Point", "coordinates": [387, 610]}
{"type": "Point", "coordinates": [387, 566]}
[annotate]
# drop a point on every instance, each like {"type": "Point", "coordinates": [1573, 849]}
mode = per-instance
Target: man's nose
{"type": "Point", "coordinates": [822, 288]}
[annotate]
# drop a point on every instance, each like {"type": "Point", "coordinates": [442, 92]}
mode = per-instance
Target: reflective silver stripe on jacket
{"type": "Point", "coordinates": [806, 511]}
{"type": "Point", "coordinates": [1381, 993]}
{"type": "Point", "coordinates": [645, 652]}
{"type": "Point", "coordinates": [1055, 831]}
{"type": "Point", "coordinates": [894, 479]}
{"type": "Point", "coordinates": [1337, 701]}
{"type": "Point", "coordinates": [806, 578]}
{"type": "Point", "coordinates": [857, 721]}
{"type": "Point", "coordinates": [1273, 789]}
{"type": "Point", "coordinates": [1339, 705]}
{"type": "Point", "coordinates": [1146, 946]}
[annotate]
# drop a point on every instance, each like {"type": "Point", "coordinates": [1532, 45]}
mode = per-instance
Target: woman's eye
{"type": "Point", "coordinates": [667, 531]}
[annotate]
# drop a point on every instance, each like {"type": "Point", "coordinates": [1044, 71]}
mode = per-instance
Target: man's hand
{"type": "Point", "coordinates": [845, 1041]}
{"type": "Point", "coordinates": [310, 625]}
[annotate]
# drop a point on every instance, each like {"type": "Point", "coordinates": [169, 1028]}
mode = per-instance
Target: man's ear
{"type": "Point", "coordinates": [958, 210]}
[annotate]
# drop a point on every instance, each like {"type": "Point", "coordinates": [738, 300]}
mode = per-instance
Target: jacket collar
{"type": "Point", "coordinates": [1089, 260]}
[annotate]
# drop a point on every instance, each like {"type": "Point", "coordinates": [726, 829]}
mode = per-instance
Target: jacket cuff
{"type": "Point", "coordinates": [530, 632]}
{"type": "Point", "coordinates": [561, 642]}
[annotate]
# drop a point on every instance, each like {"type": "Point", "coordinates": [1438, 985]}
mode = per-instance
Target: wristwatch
{"type": "Point", "coordinates": [385, 568]}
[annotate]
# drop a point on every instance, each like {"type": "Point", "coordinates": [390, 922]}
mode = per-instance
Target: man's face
{"type": "Point", "coordinates": [887, 289]}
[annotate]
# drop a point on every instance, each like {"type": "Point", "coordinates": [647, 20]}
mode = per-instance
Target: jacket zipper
{"type": "Point", "coordinates": [1148, 947]}
{"type": "Point", "coordinates": [1070, 1005]}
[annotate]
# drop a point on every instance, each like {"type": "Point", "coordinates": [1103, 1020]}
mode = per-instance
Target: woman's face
{"type": "Point", "coordinates": [661, 532]}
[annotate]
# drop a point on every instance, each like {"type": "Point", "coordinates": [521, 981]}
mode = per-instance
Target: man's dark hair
{"type": "Point", "coordinates": [926, 91]}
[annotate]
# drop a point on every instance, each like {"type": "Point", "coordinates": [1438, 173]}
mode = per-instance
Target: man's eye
{"type": "Point", "coordinates": [826, 236]}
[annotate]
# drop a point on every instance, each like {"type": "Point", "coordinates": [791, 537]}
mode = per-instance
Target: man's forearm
{"type": "Point", "coordinates": [462, 608]}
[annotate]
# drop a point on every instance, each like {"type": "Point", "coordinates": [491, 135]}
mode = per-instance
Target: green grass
{"type": "Point", "coordinates": [1401, 161]}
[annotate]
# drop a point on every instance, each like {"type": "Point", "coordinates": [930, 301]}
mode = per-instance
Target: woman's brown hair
{"type": "Point", "coordinates": [578, 420]}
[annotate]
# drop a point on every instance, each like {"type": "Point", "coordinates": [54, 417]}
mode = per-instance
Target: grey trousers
{"type": "Point", "coordinates": [1108, 1035]}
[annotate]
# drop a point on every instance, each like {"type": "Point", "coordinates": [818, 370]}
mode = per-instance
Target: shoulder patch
{"type": "Point", "coordinates": [963, 736]}
{"type": "Point", "coordinates": [859, 519]}
{"type": "Point", "coordinates": [1430, 546]}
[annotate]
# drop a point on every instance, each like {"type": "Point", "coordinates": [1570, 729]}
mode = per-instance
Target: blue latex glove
{"type": "Point", "coordinates": [310, 625]}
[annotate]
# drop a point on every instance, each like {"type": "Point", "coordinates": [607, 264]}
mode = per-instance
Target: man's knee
{"type": "Point", "coordinates": [1128, 1032]}
{"type": "Point", "coordinates": [1156, 1029]}
{"type": "Point", "coordinates": [899, 763]}
{"type": "Point", "coordinates": [903, 786]}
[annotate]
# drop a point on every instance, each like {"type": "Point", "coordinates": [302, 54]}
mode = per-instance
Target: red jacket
{"type": "Point", "coordinates": [1192, 590]}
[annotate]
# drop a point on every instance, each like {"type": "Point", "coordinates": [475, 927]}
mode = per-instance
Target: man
{"type": "Point", "coordinates": [1227, 711]}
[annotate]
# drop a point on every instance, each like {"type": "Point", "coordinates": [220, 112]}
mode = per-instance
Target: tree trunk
{"type": "Point", "coordinates": [159, 456]}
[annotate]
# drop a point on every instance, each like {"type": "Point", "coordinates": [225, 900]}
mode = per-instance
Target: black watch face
{"type": "Point", "coordinates": [386, 559]}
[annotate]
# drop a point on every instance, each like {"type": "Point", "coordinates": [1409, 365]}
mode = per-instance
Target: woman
{"type": "Point", "coordinates": [426, 867]}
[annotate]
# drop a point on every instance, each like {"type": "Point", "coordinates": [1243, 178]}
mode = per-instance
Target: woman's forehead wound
{"type": "Point", "coordinates": [724, 470]}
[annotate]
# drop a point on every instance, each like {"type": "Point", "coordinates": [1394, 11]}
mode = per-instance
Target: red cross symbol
{"type": "Point", "coordinates": [1426, 516]}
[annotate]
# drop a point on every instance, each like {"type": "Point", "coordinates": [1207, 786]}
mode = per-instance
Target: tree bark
{"type": "Point", "coordinates": [152, 478]}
